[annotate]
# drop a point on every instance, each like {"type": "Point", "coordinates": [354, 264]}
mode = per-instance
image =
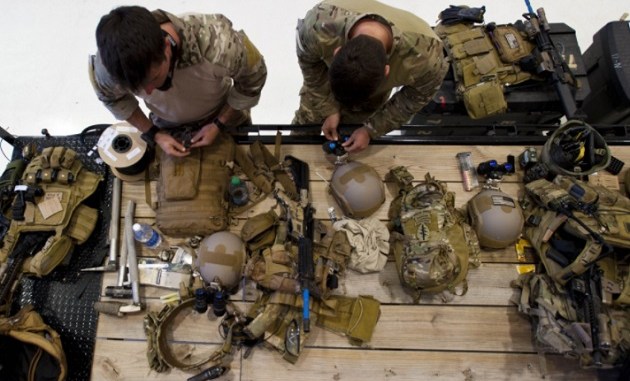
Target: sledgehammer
{"type": "Point", "coordinates": [118, 308]}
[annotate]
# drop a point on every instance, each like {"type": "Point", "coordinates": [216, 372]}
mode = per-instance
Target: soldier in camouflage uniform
{"type": "Point", "coordinates": [190, 70]}
{"type": "Point", "coordinates": [412, 59]}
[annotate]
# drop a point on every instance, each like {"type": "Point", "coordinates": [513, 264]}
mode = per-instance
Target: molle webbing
{"type": "Point", "coordinates": [64, 184]}
{"type": "Point", "coordinates": [609, 219]}
{"type": "Point", "coordinates": [192, 191]}
{"type": "Point", "coordinates": [432, 244]}
{"type": "Point", "coordinates": [484, 62]}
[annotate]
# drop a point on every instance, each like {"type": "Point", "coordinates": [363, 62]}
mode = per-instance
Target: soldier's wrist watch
{"type": "Point", "coordinates": [220, 124]}
{"type": "Point", "coordinates": [149, 136]}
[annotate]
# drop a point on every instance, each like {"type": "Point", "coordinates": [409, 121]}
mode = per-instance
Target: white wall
{"type": "Point", "coordinates": [44, 45]}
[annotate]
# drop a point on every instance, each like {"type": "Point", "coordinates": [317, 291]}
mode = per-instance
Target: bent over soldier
{"type": "Point", "coordinates": [189, 70]}
{"type": "Point", "coordinates": [352, 53]}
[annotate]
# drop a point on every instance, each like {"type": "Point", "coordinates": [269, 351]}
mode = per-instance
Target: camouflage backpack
{"type": "Point", "coordinates": [431, 241]}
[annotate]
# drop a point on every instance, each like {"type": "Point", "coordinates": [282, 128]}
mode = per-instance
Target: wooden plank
{"type": "Point", "coordinates": [336, 364]}
{"type": "Point", "coordinates": [125, 360]}
{"type": "Point", "coordinates": [418, 327]}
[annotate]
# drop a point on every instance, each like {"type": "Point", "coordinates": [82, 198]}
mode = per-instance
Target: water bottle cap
{"type": "Point", "coordinates": [136, 227]}
{"type": "Point", "coordinates": [235, 180]}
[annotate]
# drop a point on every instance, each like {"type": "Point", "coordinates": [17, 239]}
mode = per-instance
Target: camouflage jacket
{"type": "Point", "coordinates": [209, 49]}
{"type": "Point", "coordinates": [416, 60]}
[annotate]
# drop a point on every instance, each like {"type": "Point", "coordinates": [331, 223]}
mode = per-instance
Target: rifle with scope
{"type": "Point", "coordinates": [548, 62]}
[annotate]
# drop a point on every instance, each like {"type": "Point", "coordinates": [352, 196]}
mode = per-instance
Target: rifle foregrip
{"type": "Point", "coordinates": [306, 313]}
{"type": "Point", "coordinates": [305, 254]}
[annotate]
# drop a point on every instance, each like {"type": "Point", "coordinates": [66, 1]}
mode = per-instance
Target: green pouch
{"type": "Point", "coordinates": [485, 99]}
{"type": "Point", "coordinates": [354, 317]}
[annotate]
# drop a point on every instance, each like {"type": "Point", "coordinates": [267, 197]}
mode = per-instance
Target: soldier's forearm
{"type": "Point", "coordinates": [139, 120]}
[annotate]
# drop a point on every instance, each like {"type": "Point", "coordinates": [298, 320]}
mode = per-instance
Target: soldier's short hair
{"type": "Point", "coordinates": [357, 70]}
{"type": "Point", "coordinates": [129, 42]}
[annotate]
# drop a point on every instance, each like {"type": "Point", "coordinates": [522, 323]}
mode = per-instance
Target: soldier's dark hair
{"type": "Point", "coordinates": [357, 70]}
{"type": "Point", "coordinates": [129, 42]}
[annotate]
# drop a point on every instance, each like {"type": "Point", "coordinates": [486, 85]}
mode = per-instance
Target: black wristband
{"type": "Point", "coordinates": [220, 124]}
{"type": "Point", "coordinates": [149, 136]}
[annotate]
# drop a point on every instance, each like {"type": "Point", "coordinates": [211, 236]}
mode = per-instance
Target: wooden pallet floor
{"type": "Point", "coordinates": [478, 336]}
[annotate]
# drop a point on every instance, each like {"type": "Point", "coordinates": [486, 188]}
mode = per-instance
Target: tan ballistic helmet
{"type": "Point", "coordinates": [496, 218]}
{"type": "Point", "coordinates": [358, 189]}
{"type": "Point", "coordinates": [220, 258]}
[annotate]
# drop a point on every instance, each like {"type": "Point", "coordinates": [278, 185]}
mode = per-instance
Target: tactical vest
{"type": "Point", "coordinates": [272, 264]}
{"type": "Point", "coordinates": [59, 210]}
{"type": "Point", "coordinates": [569, 246]}
{"type": "Point", "coordinates": [484, 62]}
{"type": "Point", "coordinates": [431, 241]}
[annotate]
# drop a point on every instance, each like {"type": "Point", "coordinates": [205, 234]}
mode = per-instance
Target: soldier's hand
{"type": "Point", "coordinates": [170, 145]}
{"type": "Point", "coordinates": [358, 141]}
{"type": "Point", "coordinates": [329, 128]}
{"type": "Point", "coordinates": [205, 136]}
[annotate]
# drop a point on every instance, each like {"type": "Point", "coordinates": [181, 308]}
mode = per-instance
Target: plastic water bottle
{"type": "Point", "coordinates": [238, 191]}
{"type": "Point", "coordinates": [148, 236]}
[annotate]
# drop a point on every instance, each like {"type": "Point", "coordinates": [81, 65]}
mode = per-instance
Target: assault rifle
{"type": "Point", "coordinates": [9, 179]}
{"type": "Point", "coordinates": [549, 62]}
{"type": "Point", "coordinates": [27, 245]}
{"type": "Point", "coordinates": [300, 172]}
{"type": "Point", "coordinates": [586, 292]}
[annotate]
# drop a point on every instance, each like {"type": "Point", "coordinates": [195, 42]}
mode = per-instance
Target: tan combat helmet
{"type": "Point", "coordinates": [357, 188]}
{"type": "Point", "coordinates": [496, 218]}
{"type": "Point", "coordinates": [220, 258]}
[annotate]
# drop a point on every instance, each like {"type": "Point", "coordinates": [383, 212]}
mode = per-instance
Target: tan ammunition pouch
{"type": "Point", "coordinates": [432, 243]}
{"type": "Point", "coordinates": [66, 184]}
{"type": "Point", "coordinates": [192, 190]}
{"type": "Point", "coordinates": [33, 348]}
{"type": "Point", "coordinates": [484, 63]}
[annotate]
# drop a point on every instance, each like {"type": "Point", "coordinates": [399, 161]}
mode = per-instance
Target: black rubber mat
{"type": "Point", "coordinates": [65, 297]}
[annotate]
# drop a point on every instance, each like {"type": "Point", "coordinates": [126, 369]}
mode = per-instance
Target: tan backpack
{"type": "Point", "coordinates": [31, 350]}
{"type": "Point", "coordinates": [192, 190]}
